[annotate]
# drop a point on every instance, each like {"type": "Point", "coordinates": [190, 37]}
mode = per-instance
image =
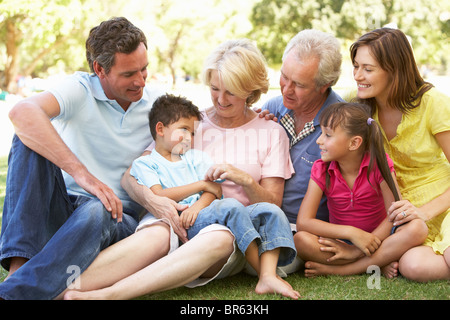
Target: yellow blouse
{"type": "Point", "coordinates": [423, 171]}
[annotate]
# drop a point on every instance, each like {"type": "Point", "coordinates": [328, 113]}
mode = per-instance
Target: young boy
{"type": "Point", "coordinates": [176, 171]}
{"type": "Point", "coordinates": [173, 169]}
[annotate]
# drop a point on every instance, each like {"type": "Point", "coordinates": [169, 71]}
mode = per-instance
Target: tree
{"type": "Point", "coordinates": [37, 34]}
{"type": "Point", "coordinates": [426, 22]}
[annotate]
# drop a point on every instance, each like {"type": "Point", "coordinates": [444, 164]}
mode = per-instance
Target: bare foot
{"type": "Point", "coordinates": [313, 269]}
{"type": "Point", "coordinates": [274, 284]}
{"type": "Point", "coordinates": [85, 295]}
{"type": "Point", "coordinates": [391, 270]}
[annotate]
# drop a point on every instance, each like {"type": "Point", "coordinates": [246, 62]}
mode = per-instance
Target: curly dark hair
{"type": "Point", "coordinates": [117, 35]}
{"type": "Point", "coordinates": [168, 109]}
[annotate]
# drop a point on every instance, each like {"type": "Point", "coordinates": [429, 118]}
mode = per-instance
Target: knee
{"type": "Point", "coordinates": [157, 238]}
{"type": "Point", "coordinates": [417, 231]}
{"type": "Point", "coordinates": [222, 245]}
{"type": "Point", "coordinates": [93, 211]}
{"type": "Point", "coordinates": [229, 203]}
{"type": "Point", "coordinates": [268, 213]}
{"type": "Point", "coordinates": [303, 242]}
{"type": "Point", "coordinates": [92, 218]}
{"type": "Point", "coordinates": [410, 266]}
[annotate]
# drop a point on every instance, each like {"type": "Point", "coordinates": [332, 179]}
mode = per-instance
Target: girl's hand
{"type": "Point", "coordinates": [367, 242]}
{"type": "Point", "coordinates": [340, 249]}
{"type": "Point", "coordinates": [403, 211]}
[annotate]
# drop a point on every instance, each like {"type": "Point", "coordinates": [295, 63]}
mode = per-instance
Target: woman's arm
{"type": "Point", "coordinates": [431, 209]}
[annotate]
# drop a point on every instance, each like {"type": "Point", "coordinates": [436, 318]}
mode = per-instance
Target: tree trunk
{"type": "Point", "coordinates": [13, 38]}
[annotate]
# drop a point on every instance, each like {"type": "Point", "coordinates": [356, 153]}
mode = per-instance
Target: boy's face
{"type": "Point", "coordinates": [177, 137]}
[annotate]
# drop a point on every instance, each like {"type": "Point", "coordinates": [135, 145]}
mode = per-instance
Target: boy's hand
{"type": "Point", "coordinates": [214, 188]}
{"type": "Point", "coordinates": [188, 217]}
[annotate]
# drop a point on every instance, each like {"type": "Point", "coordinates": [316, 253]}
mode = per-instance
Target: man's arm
{"type": "Point", "coordinates": [160, 207]}
{"type": "Point", "coordinates": [31, 120]}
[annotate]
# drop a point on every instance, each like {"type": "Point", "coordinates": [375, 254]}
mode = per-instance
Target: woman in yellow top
{"type": "Point", "coordinates": [415, 118]}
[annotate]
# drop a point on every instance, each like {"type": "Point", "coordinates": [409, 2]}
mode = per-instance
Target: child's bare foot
{"type": "Point", "coordinates": [313, 269]}
{"type": "Point", "coordinates": [391, 270]}
{"type": "Point", "coordinates": [274, 284]}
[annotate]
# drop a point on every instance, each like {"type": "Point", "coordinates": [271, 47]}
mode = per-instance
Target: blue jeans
{"type": "Point", "coordinates": [60, 234]}
{"type": "Point", "coordinates": [264, 222]}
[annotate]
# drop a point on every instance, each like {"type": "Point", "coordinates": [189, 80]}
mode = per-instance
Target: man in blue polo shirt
{"type": "Point", "coordinates": [64, 202]}
{"type": "Point", "coordinates": [311, 66]}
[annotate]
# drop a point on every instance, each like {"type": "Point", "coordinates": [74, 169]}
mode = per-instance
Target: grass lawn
{"type": "Point", "coordinates": [241, 286]}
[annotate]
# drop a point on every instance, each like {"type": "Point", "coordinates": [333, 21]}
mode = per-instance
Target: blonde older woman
{"type": "Point", "coordinates": [252, 154]}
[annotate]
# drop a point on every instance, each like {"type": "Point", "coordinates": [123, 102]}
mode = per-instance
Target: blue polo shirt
{"type": "Point", "coordinates": [104, 137]}
{"type": "Point", "coordinates": [303, 155]}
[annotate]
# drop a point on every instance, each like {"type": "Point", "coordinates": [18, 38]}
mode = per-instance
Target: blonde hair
{"type": "Point", "coordinates": [241, 67]}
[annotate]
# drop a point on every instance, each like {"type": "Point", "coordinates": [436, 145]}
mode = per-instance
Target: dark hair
{"type": "Point", "coordinates": [392, 50]}
{"type": "Point", "coordinates": [354, 118]}
{"type": "Point", "coordinates": [117, 35]}
{"type": "Point", "coordinates": [168, 109]}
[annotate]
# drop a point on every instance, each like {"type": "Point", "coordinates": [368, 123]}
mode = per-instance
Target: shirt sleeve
{"type": "Point", "coordinates": [145, 171]}
{"type": "Point", "coordinates": [278, 160]}
{"type": "Point", "coordinates": [70, 94]}
{"type": "Point", "coordinates": [437, 111]}
{"type": "Point", "coordinates": [201, 162]}
{"type": "Point", "coordinates": [318, 173]}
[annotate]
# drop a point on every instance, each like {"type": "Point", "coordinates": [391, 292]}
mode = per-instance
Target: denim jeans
{"type": "Point", "coordinates": [60, 234]}
{"type": "Point", "coordinates": [264, 222]}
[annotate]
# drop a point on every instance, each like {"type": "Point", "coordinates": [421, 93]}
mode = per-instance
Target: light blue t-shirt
{"type": "Point", "coordinates": [153, 169]}
{"type": "Point", "coordinates": [104, 137]}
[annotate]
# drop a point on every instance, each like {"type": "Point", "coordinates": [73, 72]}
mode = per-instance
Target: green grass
{"type": "Point", "coordinates": [241, 286]}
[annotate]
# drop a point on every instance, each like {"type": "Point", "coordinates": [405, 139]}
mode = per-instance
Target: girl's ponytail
{"type": "Point", "coordinates": [376, 150]}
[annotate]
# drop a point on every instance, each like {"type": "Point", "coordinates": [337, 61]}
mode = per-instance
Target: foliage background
{"type": "Point", "coordinates": [46, 38]}
{"type": "Point", "coordinates": [39, 38]}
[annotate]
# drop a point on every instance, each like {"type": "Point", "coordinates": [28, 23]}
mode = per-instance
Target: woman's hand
{"type": "Point", "coordinates": [229, 172]}
{"type": "Point", "coordinates": [403, 211]}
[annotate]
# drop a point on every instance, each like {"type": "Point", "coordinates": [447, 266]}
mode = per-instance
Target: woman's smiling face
{"type": "Point", "coordinates": [226, 104]}
{"type": "Point", "coordinates": [371, 79]}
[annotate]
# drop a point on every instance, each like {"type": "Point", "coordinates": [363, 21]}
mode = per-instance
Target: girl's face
{"type": "Point", "coordinates": [371, 79]}
{"type": "Point", "coordinates": [227, 105]}
{"type": "Point", "coordinates": [334, 144]}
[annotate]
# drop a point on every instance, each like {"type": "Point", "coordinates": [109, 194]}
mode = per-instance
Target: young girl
{"type": "Point", "coordinates": [359, 181]}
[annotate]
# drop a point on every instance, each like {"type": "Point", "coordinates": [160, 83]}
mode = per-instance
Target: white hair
{"type": "Point", "coordinates": [314, 43]}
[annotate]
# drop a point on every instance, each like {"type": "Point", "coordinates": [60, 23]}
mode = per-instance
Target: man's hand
{"type": "Point", "coordinates": [265, 114]}
{"type": "Point", "coordinates": [165, 208]}
{"type": "Point", "coordinates": [104, 193]}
